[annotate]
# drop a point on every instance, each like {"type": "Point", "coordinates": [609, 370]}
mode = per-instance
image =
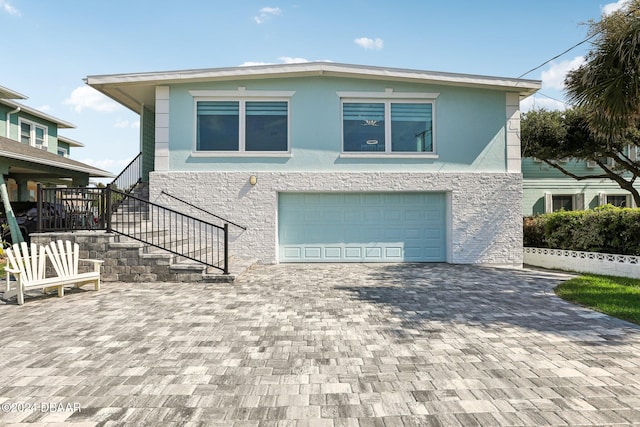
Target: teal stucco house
{"type": "Point", "coordinates": [327, 162]}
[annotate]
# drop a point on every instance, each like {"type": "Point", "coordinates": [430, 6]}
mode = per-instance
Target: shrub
{"type": "Point", "coordinates": [606, 229]}
{"type": "Point", "coordinates": [534, 232]}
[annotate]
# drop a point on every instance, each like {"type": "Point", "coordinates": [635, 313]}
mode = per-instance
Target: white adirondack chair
{"type": "Point", "coordinates": [28, 266]}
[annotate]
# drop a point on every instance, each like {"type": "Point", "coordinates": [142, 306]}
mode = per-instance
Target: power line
{"type": "Point", "coordinates": [559, 55]}
{"type": "Point", "coordinates": [552, 98]}
{"type": "Point", "coordinates": [629, 12]}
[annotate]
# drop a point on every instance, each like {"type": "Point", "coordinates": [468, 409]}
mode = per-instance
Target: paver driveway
{"type": "Point", "coordinates": [321, 345]}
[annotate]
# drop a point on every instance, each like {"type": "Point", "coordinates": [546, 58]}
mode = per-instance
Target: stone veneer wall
{"type": "Point", "coordinates": [123, 262]}
{"type": "Point", "coordinates": [483, 213]}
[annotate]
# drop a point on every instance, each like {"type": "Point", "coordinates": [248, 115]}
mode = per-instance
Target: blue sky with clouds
{"type": "Point", "coordinates": [50, 46]}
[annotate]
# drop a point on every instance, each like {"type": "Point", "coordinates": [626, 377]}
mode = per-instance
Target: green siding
{"type": "Point", "coordinates": [52, 128]}
{"type": "Point", "coordinates": [147, 148]}
{"type": "Point", "coordinates": [540, 178]}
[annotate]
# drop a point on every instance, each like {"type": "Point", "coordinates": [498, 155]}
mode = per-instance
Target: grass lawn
{"type": "Point", "coordinates": [616, 296]}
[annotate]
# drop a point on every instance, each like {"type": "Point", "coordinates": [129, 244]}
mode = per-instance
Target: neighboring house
{"type": "Point", "coordinates": [546, 189]}
{"type": "Point", "coordinates": [32, 151]}
{"type": "Point", "coordinates": [331, 162]}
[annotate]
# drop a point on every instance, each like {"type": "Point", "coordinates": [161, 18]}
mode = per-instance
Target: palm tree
{"type": "Point", "coordinates": [607, 85]}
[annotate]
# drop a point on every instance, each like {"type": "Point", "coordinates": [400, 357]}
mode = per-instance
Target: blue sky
{"type": "Point", "coordinates": [50, 46]}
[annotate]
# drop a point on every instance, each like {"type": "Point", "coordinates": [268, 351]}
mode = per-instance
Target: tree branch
{"type": "Point", "coordinates": [571, 174]}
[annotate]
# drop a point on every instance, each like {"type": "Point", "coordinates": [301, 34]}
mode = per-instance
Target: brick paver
{"type": "Point", "coordinates": [320, 345]}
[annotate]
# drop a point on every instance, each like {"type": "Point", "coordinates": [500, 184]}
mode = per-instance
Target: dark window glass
{"type": "Point", "coordinates": [218, 126]}
{"type": "Point", "coordinates": [411, 128]}
{"type": "Point", "coordinates": [266, 126]}
{"type": "Point", "coordinates": [562, 203]}
{"type": "Point", "coordinates": [363, 127]}
{"type": "Point", "coordinates": [619, 201]}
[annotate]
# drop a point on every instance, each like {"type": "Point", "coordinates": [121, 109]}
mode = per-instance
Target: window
{"type": "Point", "coordinates": [562, 203]}
{"type": "Point", "coordinates": [617, 200]}
{"type": "Point", "coordinates": [33, 134]}
{"type": "Point", "coordinates": [242, 125]}
{"type": "Point", "coordinates": [566, 202]}
{"type": "Point", "coordinates": [387, 127]}
{"type": "Point", "coordinates": [63, 151]}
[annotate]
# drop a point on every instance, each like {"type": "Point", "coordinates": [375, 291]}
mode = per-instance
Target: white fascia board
{"type": "Point", "coordinates": [61, 123]}
{"type": "Point", "coordinates": [91, 171]}
{"type": "Point", "coordinates": [522, 86]}
{"type": "Point", "coordinates": [6, 93]}
{"type": "Point", "coordinates": [71, 142]}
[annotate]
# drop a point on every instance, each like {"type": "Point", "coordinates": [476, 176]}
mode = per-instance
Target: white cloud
{"type": "Point", "coordinates": [534, 102]}
{"type": "Point", "coordinates": [267, 13]}
{"type": "Point", "coordinates": [553, 78]}
{"type": "Point", "coordinates": [290, 60]}
{"type": "Point", "coordinates": [111, 165]}
{"type": "Point", "coordinates": [86, 97]}
{"type": "Point", "coordinates": [4, 5]}
{"type": "Point", "coordinates": [371, 44]}
{"type": "Point", "coordinates": [122, 124]}
{"type": "Point", "coordinates": [283, 60]}
{"type": "Point", "coordinates": [44, 108]}
{"type": "Point", "coordinates": [254, 63]}
{"type": "Point", "coordinates": [608, 9]}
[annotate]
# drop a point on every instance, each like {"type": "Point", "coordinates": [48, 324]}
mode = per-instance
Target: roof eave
{"type": "Point", "coordinates": [92, 172]}
{"type": "Point", "coordinates": [114, 85]}
{"type": "Point", "coordinates": [61, 123]}
{"type": "Point", "coordinates": [71, 142]}
{"type": "Point", "coordinates": [6, 93]}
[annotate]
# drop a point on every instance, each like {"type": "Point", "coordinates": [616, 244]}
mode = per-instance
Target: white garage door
{"type": "Point", "coordinates": [361, 227]}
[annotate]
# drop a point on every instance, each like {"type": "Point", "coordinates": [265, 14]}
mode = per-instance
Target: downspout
{"type": "Point", "coordinates": [17, 110]}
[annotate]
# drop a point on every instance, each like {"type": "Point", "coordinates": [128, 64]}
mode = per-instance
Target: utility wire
{"type": "Point", "coordinates": [559, 55]}
{"type": "Point", "coordinates": [629, 13]}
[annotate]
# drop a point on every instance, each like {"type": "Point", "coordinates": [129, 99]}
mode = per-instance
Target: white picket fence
{"type": "Point", "coordinates": [584, 262]}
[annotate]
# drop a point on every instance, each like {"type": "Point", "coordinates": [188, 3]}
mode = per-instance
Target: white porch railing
{"type": "Point", "coordinates": [584, 262]}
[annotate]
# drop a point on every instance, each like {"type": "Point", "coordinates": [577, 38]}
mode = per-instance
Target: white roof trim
{"type": "Point", "coordinates": [523, 86]}
{"type": "Point", "coordinates": [61, 123]}
{"type": "Point", "coordinates": [71, 142]}
{"type": "Point", "coordinates": [6, 93]}
{"type": "Point", "coordinates": [91, 171]}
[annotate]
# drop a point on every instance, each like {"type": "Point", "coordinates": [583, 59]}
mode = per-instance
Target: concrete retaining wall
{"type": "Point", "coordinates": [584, 262]}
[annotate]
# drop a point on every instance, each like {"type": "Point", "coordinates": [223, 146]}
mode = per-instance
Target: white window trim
{"type": "Point", "coordinates": [242, 96]}
{"type": "Point", "coordinates": [387, 98]}
{"type": "Point", "coordinates": [65, 151]}
{"type": "Point", "coordinates": [32, 133]}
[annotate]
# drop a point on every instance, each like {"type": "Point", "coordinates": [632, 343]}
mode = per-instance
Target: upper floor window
{"type": "Point", "coordinates": [33, 134]}
{"type": "Point", "coordinates": [388, 122]}
{"type": "Point", "coordinates": [387, 127]}
{"type": "Point", "coordinates": [250, 121]}
{"type": "Point", "coordinates": [63, 151]}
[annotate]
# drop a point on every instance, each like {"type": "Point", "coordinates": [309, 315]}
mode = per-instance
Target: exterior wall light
{"type": "Point", "coordinates": [253, 180]}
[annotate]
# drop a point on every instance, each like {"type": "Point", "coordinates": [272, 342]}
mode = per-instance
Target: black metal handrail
{"type": "Point", "coordinates": [85, 208]}
{"type": "Point", "coordinates": [130, 175]}
{"type": "Point", "coordinates": [202, 210]}
{"type": "Point", "coordinates": [167, 229]}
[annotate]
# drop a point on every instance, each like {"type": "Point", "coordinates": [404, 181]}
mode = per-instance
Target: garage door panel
{"type": "Point", "coordinates": [361, 227]}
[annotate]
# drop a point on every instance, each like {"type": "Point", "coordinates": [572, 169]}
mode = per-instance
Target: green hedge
{"type": "Point", "coordinates": [605, 229]}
